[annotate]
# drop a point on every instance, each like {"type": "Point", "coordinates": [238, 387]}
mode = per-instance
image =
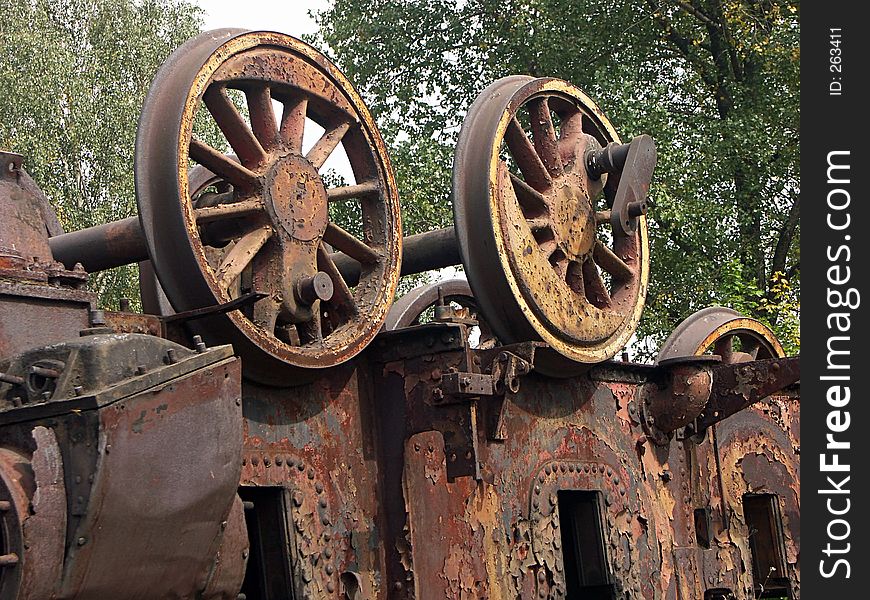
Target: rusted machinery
{"type": "Point", "coordinates": [259, 433]}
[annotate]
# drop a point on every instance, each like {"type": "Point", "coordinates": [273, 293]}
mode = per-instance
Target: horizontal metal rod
{"type": "Point", "coordinates": [101, 247]}
{"type": "Point", "coordinates": [421, 252]}
{"type": "Point", "coordinates": [122, 243]}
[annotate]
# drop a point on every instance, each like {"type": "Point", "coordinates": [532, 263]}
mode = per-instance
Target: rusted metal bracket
{"type": "Point", "coordinates": [738, 386]}
{"type": "Point", "coordinates": [697, 392]}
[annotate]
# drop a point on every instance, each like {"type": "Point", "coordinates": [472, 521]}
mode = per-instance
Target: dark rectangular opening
{"type": "Point", "coordinates": [268, 575]}
{"type": "Point", "coordinates": [702, 527]}
{"type": "Point", "coordinates": [767, 545]}
{"type": "Point", "coordinates": [587, 574]}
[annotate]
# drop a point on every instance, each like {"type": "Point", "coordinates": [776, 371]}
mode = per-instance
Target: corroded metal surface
{"type": "Point", "coordinates": [529, 239]}
{"type": "Point", "coordinates": [132, 466]}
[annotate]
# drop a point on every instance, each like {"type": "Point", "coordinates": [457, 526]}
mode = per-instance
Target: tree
{"type": "Point", "coordinates": [73, 75]}
{"type": "Point", "coordinates": [716, 82]}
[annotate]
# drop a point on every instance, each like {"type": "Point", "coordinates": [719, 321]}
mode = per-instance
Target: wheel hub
{"type": "Point", "coordinates": [574, 219]}
{"type": "Point", "coordinates": [296, 198]}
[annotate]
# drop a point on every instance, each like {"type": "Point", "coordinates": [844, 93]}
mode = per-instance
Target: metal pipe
{"type": "Point", "coordinates": [101, 247]}
{"type": "Point", "coordinates": [122, 243]}
{"type": "Point", "coordinates": [421, 252]}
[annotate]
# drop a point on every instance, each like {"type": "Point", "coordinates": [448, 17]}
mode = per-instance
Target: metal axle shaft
{"type": "Point", "coordinates": [122, 243]}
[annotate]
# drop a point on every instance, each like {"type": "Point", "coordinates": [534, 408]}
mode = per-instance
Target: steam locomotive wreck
{"type": "Point", "coordinates": [274, 426]}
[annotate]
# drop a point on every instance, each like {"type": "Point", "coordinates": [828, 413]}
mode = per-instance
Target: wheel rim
{"type": "Point", "coordinates": [274, 225]}
{"type": "Point", "coordinates": [547, 265]}
{"type": "Point", "coordinates": [718, 330]}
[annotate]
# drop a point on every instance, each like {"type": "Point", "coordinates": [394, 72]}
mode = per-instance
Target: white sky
{"type": "Point", "coordinates": [287, 16]}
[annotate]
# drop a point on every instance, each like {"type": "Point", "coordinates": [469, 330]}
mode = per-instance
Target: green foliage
{"type": "Point", "coordinates": [715, 82]}
{"type": "Point", "coordinates": [73, 75]}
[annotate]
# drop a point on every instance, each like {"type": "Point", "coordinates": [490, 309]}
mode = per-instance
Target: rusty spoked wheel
{"type": "Point", "coordinates": [534, 227]}
{"type": "Point", "coordinates": [262, 223]}
{"type": "Point", "coordinates": [412, 308]}
{"type": "Point", "coordinates": [724, 332]}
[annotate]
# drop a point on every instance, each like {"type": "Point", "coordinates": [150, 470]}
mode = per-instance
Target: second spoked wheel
{"type": "Point", "coordinates": [534, 226]}
{"type": "Point", "coordinates": [262, 223]}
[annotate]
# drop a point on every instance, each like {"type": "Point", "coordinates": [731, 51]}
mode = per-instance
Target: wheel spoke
{"type": "Point", "coordinates": [353, 191]}
{"type": "Point", "coordinates": [311, 331]}
{"type": "Point", "coordinates": [610, 262]}
{"type": "Point", "coordinates": [526, 157]}
{"type": "Point", "coordinates": [724, 347]}
{"type": "Point", "coordinates": [574, 277]}
{"type": "Point", "coordinates": [529, 198]}
{"type": "Point", "coordinates": [328, 142]}
{"type": "Point", "coordinates": [244, 208]}
{"type": "Point", "coordinates": [602, 216]}
{"type": "Point", "coordinates": [539, 224]}
{"type": "Point", "coordinates": [544, 135]}
{"type": "Point", "coordinates": [342, 300]}
{"type": "Point", "coordinates": [234, 127]}
{"type": "Point", "coordinates": [221, 164]}
{"type": "Point", "coordinates": [595, 287]}
{"type": "Point", "coordinates": [338, 238]}
{"type": "Point", "coordinates": [293, 123]}
{"type": "Point", "coordinates": [241, 255]}
{"type": "Point", "coordinates": [263, 116]}
{"type": "Point", "coordinates": [265, 314]}
{"type": "Point", "coordinates": [751, 346]}
{"type": "Point", "coordinates": [569, 134]}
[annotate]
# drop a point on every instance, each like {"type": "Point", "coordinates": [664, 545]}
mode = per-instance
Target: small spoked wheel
{"type": "Point", "coordinates": [418, 305]}
{"type": "Point", "coordinates": [723, 332]}
{"type": "Point", "coordinates": [534, 225]}
{"type": "Point", "coordinates": [257, 217]}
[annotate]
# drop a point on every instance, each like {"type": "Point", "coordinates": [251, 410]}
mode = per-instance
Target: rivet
{"type": "Point", "coordinates": [318, 487]}
{"type": "Point", "coordinates": [323, 503]}
{"type": "Point", "coordinates": [279, 461]}
{"type": "Point", "coordinates": [325, 520]}
{"type": "Point", "coordinates": [301, 466]}
{"type": "Point", "coordinates": [82, 541]}
{"type": "Point", "coordinates": [255, 460]}
{"type": "Point", "coordinates": [244, 461]}
{"type": "Point", "coordinates": [416, 447]}
{"type": "Point", "coordinates": [297, 498]}
{"type": "Point", "coordinates": [77, 390]}
{"type": "Point", "coordinates": [327, 552]}
{"type": "Point", "coordinates": [330, 569]}
{"type": "Point", "coordinates": [398, 586]}
{"type": "Point", "coordinates": [330, 587]}
{"type": "Point", "coordinates": [585, 468]}
{"type": "Point", "coordinates": [542, 577]}
{"type": "Point", "coordinates": [537, 489]}
{"type": "Point", "coordinates": [609, 471]}
{"type": "Point", "coordinates": [548, 469]}
{"type": "Point", "coordinates": [223, 524]}
{"type": "Point", "coordinates": [327, 536]}
{"type": "Point", "coordinates": [310, 473]}
{"type": "Point", "coordinates": [267, 461]}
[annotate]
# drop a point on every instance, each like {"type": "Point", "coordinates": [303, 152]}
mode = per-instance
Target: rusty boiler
{"type": "Point", "coordinates": [274, 426]}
